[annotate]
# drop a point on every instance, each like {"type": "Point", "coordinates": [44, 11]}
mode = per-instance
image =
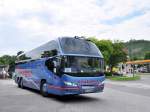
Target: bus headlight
{"type": "Point", "coordinates": [70, 83]}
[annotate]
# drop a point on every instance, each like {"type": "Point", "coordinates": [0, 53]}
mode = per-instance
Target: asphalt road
{"type": "Point", "coordinates": [132, 96]}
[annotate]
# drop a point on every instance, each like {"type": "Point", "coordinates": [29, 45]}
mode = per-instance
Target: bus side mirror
{"type": "Point", "coordinates": [54, 63]}
{"type": "Point", "coordinates": [56, 67]}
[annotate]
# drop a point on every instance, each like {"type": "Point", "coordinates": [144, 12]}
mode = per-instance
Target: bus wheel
{"type": "Point", "coordinates": [18, 82]}
{"type": "Point", "coordinates": [21, 83]}
{"type": "Point", "coordinates": [43, 89]}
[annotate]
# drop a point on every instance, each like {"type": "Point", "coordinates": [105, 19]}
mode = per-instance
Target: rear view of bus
{"type": "Point", "coordinates": [65, 66]}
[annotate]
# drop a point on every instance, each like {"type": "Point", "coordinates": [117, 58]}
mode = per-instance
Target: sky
{"type": "Point", "coordinates": [26, 24]}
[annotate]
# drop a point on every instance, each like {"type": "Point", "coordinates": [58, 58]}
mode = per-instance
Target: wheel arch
{"type": "Point", "coordinates": [43, 80]}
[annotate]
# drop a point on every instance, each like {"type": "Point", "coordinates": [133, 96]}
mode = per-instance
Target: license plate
{"type": "Point", "coordinates": [88, 88]}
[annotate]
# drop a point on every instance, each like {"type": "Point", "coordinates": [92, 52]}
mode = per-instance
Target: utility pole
{"type": "Point", "coordinates": [131, 58]}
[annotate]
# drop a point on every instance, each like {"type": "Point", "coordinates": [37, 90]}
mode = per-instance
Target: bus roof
{"type": "Point", "coordinates": [76, 46]}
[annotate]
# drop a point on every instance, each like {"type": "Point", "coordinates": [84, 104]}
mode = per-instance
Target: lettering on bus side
{"type": "Point", "coordinates": [24, 72]}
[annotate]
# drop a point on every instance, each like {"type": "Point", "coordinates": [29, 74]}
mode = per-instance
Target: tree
{"type": "Point", "coordinates": [113, 52]}
{"type": "Point", "coordinates": [7, 60]}
{"type": "Point", "coordinates": [4, 60]}
{"type": "Point", "coordinates": [93, 39]}
{"type": "Point", "coordinates": [135, 58]}
{"type": "Point", "coordinates": [105, 47]}
{"type": "Point", "coordinates": [118, 54]}
{"type": "Point", "coordinates": [147, 55]}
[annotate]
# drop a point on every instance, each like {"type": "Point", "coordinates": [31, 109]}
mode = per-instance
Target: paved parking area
{"type": "Point", "coordinates": [115, 98]}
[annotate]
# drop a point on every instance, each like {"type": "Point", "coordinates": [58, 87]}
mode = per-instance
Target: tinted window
{"type": "Point", "coordinates": [49, 53]}
{"type": "Point", "coordinates": [23, 57]}
{"type": "Point", "coordinates": [82, 66]}
{"type": "Point", "coordinates": [46, 50]}
{"type": "Point", "coordinates": [79, 46]}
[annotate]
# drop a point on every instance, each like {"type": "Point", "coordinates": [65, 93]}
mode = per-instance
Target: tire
{"type": "Point", "coordinates": [18, 82]}
{"type": "Point", "coordinates": [21, 83]}
{"type": "Point", "coordinates": [43, 89]}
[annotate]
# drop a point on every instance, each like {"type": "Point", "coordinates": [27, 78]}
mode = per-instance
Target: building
{"type": "Point", "coordinates": [140, 65]}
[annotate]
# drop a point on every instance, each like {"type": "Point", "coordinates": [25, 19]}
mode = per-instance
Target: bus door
{"type": "Point", "coordinates": [53, 66]}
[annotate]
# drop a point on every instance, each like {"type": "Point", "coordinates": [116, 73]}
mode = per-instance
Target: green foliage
{"type": "Point", "coordinates": [147, 55]}
{"type": "Point", "coordinates": [118, 54]}
{"type": "Point", "coordinates": [135, 58]}
{"type": "Point", "coordinates": [105, 47]}
{"type": "Point", "coordinates": [124, 78]}
{"type": "Point", "coordinates": [7, 60]}
{"type": "Point", "coordinates": [107, 74]}
{"type": "Point", "coordinates": [137, 48]}
{"type": "Point", "coordinates": [93, 39]}
{"type": "Point", "coordinates": [113, 52]}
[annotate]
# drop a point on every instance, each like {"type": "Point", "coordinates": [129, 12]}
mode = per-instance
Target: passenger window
{"type": "Point", "coordinates": [49, 53]}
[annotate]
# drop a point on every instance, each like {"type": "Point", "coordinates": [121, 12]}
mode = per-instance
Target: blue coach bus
{"type": "Point", "coordinates": [65, 66]}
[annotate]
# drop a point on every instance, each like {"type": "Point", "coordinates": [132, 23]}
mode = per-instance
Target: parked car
{"type": "Point", "coordinates": [143, 70]}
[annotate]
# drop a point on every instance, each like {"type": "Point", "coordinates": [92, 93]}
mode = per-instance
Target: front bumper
{"type": "Point", "coordinates": [68, 90]}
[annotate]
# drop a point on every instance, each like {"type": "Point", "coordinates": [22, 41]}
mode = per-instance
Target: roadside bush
{"type": "Point", "coordinates": [124, 78]}
{"type": "Point", "coordinates": [107, 74]}
{"type": "Point", "coordinates": [117, 74]}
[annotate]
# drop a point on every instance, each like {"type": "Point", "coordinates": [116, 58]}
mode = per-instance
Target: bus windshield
{"type": "Point", "coordinates": [81, 66]}
{"type": "Point", "coordinates": [79, 46]}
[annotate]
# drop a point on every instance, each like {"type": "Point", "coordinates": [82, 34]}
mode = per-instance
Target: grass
{"type": "Point", "coordinates": [123, 78]}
